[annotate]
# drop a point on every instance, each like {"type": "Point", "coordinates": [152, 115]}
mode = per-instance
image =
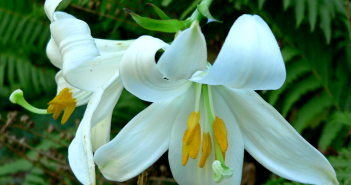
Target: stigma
{"type": "Point", "coordinates": [63, 101]}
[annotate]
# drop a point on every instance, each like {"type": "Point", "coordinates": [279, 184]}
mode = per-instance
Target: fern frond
{"type": "Point", "coordinates": [294, 70]}
{"type": "Point", "coordinates": [314, 106]}
{"type": "Point", "coordinates": [299, 89]}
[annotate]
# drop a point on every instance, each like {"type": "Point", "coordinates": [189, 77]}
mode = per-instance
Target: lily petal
{"type": "Point", "coordinates": [191, 173]}
{"type": "Point", "coordinates": [112, 92]}
{"type": "Point", "coordinates": [250, 58]}
{"type": "Point", "coordinates": [80, 154]}
{"type": "Point", "coordinates": [141, 76]}
{"type": "Point", "coordinates": [80, 95]}
{"type": "Point", "coordinates": [50, 7]}
{"type": "Point", "coordinates": [77, 47]}
{"type": "Point", "coordinates": [100, 133]}
{"type": "Point", "coordinates": [186, 55]}
{"type": "Point", "coordinates": [148, 134]}
{"type": "Point", "coordinates": [53, 53]}
{"type": "Point", "coordinates": [99, 109]}
{"type": "Point", "coordinates": [273, 142]}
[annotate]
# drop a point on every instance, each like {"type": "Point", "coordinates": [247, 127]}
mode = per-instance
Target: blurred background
{"type": "Point", "coordinates": [314, 36]}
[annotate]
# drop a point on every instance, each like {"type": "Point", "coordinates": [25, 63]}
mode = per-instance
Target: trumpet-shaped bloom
{"type": "Point", "coordinates": [89, 74]}
{"type": "Point", "coordinates": [207, 116]}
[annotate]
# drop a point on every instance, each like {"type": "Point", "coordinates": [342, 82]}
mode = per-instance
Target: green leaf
{"type": "Point", "coordinates": [286, 4]}
{"type": "Point", "coordinates": [168, 26]}
{"type": "Point", "coordinates": [190, 8]}
{"type": "Point", "coordinates": [341, 117]}
{"type": "Point", "coordinates": [203, 9]}
{"type": "Point", "coordinates": [293, 71]}
{"type": "Point", "coordinates": [19, 165]}
{"type": "Point", "coordinates": [288, 53]}
{"type": "Point", "coordinates": [260, 4]}
{"type": "Point", "coordinates": [310, 110]}
{"type": "Point", "coordinates": [298, 90]}
{"type": "Point", "coordinates": [325, 24]}
{"type": "Point", "coordinates": [330, 130]}
{"type": "Point", "coordinates": [165, 3]}
{"type": "Point", "coordinates": [312, 13]}
{"type": "Point", "coordinates": [299, 12]}
{"type": "Point", "coordinates": [159, 12]}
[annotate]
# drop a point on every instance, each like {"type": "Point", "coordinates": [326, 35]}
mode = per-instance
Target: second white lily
{"type": "Point", "coordinates": [216, 107]}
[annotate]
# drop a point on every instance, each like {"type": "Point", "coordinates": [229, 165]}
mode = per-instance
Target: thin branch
{"type": "Point", "coordinates": [101, 14]}
{"type": "Point", "coordinates": [38, 134]}
{"type": "Point", "coordinates": [32, 148]}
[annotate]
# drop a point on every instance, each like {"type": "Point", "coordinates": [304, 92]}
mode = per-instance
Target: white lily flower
{"type": "Point", "coordinates": [217, 107]}
{"type": "Point", "coordinates": [89, 75]}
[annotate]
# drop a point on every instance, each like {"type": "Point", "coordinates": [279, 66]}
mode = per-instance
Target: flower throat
{"type": "Point", "coordinates": [214, 126]}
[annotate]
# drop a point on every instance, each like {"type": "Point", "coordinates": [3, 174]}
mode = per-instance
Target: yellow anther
{"type": "Point", "coordinates": [185, 150]}
{"type": "Point", "coordinates": [195, 143]}
{"type": "Point", "coordinates": [220, 132]}
{"type": "Point", "coordinates": [206, 149]}
{"type": "Point", "coordinates": [63, 101]}
{"type": "Point", "coordinates": [193, 121]}
{"type": "Point", "coordinates": [194, 147]}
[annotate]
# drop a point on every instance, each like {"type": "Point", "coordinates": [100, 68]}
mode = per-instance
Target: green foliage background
{"type": "Point", "coordinates": [314, 36]}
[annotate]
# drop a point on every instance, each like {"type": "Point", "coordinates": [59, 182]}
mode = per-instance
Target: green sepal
{"type": "Point", "coordinates": [168, 26]}
{"type": "Point", "coordinates": [159, 12]}
{"type": "Point", "coordinates": [203, 9]}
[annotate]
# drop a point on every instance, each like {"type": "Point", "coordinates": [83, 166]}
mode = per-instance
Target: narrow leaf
{"type": "Point", "coordinates": [299, 12]}
{"type": "Point", "coordinates": [286, 4]}
{"type": "Point", "coordinates": [260, 4]}
{"type": "Point", "coordinates": [312, 13]}
{"type": "Point", "coordinates": [203, 9]}
{"type": "Point", "coordinates": [325, 24]}
{"type": "Point", "coordinates": [168, 26]}
{"type": "Point", "coordinates": [159, 12]}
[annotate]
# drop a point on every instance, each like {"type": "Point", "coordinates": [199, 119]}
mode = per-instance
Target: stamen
{"type": "Point", "coordinates": [193, 148]}
{"type": "Point", "coordinates": [185, 150]}
{"type": "Point", "coordinates": [17, 98]}
{"type": "Point", "coordinates": [63, 101]}
{"type": "Point", "coordinates": [220, 132]}
{"type": "Point", "coordinates": [193, 121]}
{"type": "Point", "coordinates": [206, 149]}
{"type": "Point", "coordinates": [196, 143]}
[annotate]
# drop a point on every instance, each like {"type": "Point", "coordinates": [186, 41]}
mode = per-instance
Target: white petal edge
{"type": "Point", "coordinates": [191, 173]}
{"type": "Point", "coordinates": [141, 76]}
{"type": "Point", "coordinates": [250, 58]}
{"type": "Point", "coordinates": [186, 55]}
{"type": "Point", "coordinates": [80, 154]}
{"type": "Point", "coordinates": [148, 134]}
{"type": "Point", "coordinates": [50, 7]}
{"type": "Point", "coordinates": [112, 92]}
{"type": "Point", "coordinates": [100, 133]}
{"type": "Point", "coordinates": [53, 53]}
{"type": "Point", "coordinates": [100, 106]}
{"type": "Point", "coordinates": [273, 142]}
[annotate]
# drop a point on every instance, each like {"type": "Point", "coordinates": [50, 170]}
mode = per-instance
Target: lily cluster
{"type": "Point", "coordinates": [204, 115]}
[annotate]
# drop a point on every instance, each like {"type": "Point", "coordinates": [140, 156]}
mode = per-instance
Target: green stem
{"type": "Point", "coordinates": [17, 98]}
{"type": "Point", "coordinates": [218, 150]}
